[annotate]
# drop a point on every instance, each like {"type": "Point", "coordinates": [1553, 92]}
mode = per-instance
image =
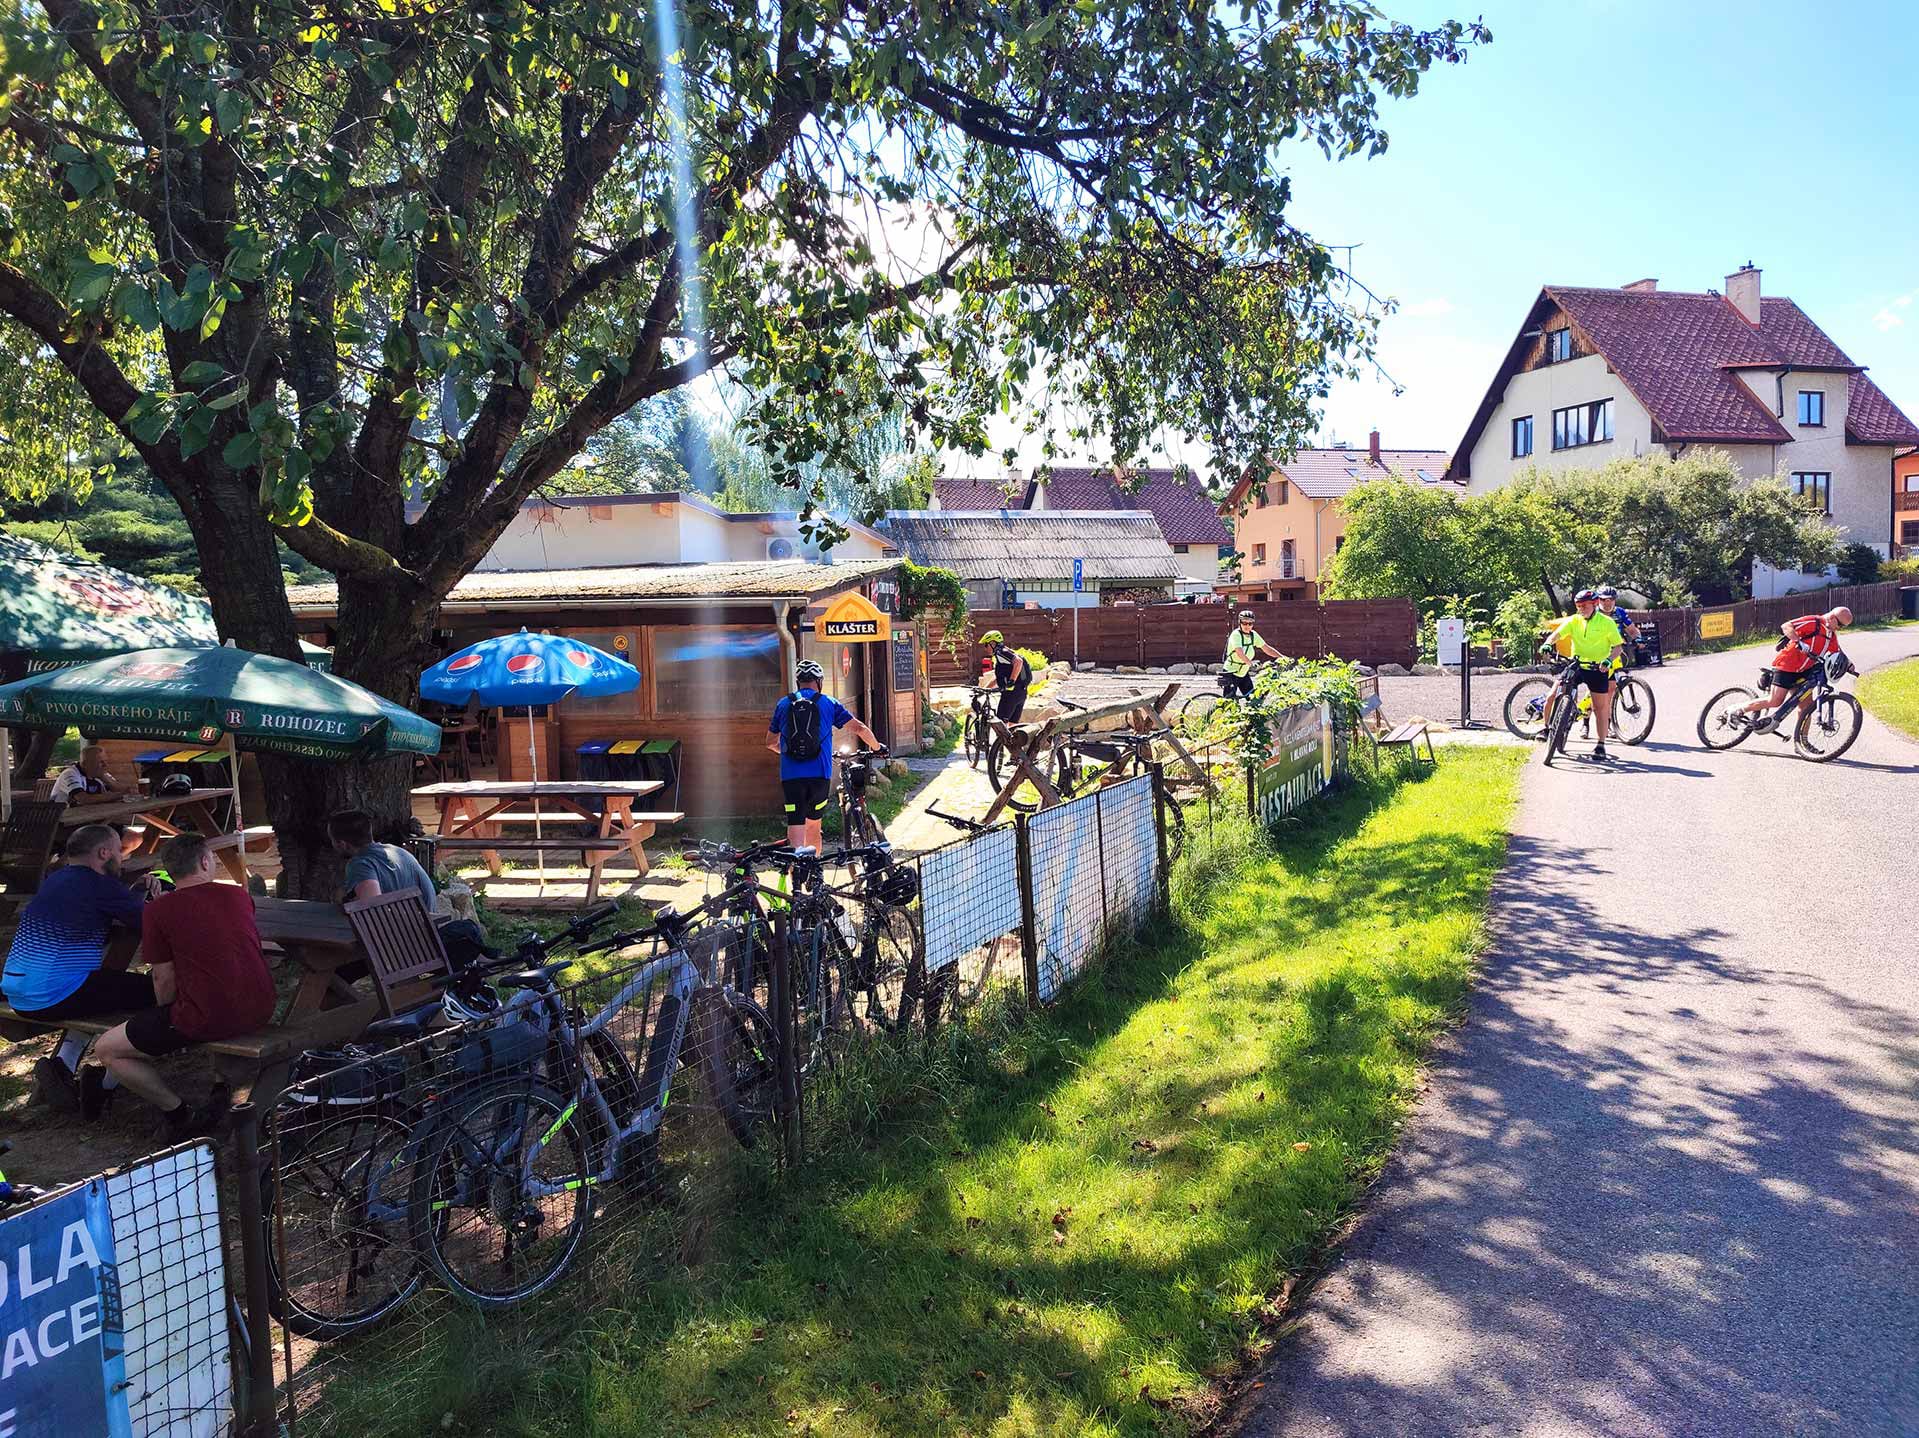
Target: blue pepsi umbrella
{"type": "Point", "coordinates": [514, 669]}
{"type": "Point", "coordinates": [509, 670]}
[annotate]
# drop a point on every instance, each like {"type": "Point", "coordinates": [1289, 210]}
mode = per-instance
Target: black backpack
{"type": "Point", "coordinates": [802, 737]}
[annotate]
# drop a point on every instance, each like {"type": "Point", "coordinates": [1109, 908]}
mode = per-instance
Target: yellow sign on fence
{"type": "Point", "coordinates": [1716, 624]}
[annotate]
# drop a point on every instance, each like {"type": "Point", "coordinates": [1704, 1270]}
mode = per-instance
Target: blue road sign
{"type": "Point", "coordinates": [1079, 578]}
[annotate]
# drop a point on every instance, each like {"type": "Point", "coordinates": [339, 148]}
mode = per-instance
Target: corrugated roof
{"type": "Point", "coordinates": [1331, 473]}
{"type": "Point", "coordinates": [1123, 545]}
{"type": "Point", "coordinates": [760, 579]}
{"type": "Point", "coordinates": [1184, 513]}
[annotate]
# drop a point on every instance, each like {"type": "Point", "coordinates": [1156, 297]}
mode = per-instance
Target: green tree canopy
{"type": "Point", "coordinates": [312, 260]}
{"type": "Point", "coordinates": [1666, 528]}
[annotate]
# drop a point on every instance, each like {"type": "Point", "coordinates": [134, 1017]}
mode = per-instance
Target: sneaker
{"type": "Point", "coordinates": [185, 1122]}
{"type": "Point", "coordinates": [55, 1087]}
{"type": "Point", "coordinates": [95, 1097]}
{"type": "Point", "coordinates": [1600, 756]}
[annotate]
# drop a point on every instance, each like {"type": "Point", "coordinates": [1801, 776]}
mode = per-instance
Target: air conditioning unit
{"type": "Point", "coordinates": [780, 547]}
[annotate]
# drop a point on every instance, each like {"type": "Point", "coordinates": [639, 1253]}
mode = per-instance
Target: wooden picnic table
{"type": "Point", "coordinates": [161, 817]}
{"type": "Point", "coordinates": [473, 811]}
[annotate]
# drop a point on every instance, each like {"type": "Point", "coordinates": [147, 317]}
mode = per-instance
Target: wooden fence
{"type": "Point", "coordinates": [1752, 618]}
{"type": "Point", "coordinates": [1370, 631]}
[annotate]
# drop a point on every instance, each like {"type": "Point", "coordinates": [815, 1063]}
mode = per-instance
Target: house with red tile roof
{"type": "Point", "coordinates": [1178, 504]}
{"type": "Point", "coordinates": [1289, 522]}
{"type": "Point", "coordinates": [1597, 374]}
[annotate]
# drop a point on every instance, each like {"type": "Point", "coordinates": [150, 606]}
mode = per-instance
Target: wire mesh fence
{"type": "Point", "coordinates": [117, 1317]}
{"type": "Point", "coordinates": [491, 1176]}
{"type": "Point", "coordinates": [1092, 878]}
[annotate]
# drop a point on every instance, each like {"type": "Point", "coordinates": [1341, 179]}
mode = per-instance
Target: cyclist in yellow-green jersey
{"type": "Point", "coordinates": [1594, 641]}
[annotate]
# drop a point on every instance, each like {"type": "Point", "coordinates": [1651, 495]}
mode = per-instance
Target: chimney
{"type": "Point", "coordinates": [1372, 446]}
{"type": "Point", "coordinates": [1641, 287]}
{"type": "Point", "coordinates": [1742, 288]}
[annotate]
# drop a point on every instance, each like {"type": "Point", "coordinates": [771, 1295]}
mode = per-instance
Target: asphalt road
{"type": "Point", "coordinates": [1665, 1179]}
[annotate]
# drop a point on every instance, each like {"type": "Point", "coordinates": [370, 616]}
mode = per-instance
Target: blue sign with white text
{"type": "Point", "coordinates": [61, 1344]}
{"type": "Point", "coordinates": [1079, 575]}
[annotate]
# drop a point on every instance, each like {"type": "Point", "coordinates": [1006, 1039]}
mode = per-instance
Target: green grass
{"type": "Point", "coordinates": [1070, 1223]}
{"type": "Point", "coordinates": [1892, 694]}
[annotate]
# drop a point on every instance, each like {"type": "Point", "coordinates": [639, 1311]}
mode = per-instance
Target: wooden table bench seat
{"type": "Point", "coordinates": [509, 842]}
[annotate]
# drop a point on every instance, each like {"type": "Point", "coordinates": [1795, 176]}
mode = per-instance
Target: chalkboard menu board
{"type": "Point", "coordinates": [905, 674]}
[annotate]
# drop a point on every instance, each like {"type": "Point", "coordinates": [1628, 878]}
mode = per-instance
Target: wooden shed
{"type": "Point", "coordinates": [715, 645]}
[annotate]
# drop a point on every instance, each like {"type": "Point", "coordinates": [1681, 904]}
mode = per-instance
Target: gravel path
{"type": "Point", "coordinates": [1433, 698]}
{"type": "Point", "coordinates": [1665, 1180]}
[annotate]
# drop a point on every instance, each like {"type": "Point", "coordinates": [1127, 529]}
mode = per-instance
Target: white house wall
{"type": "Point", "coordinates": [571, 537]}
{"type": "Point", "coordinates": [1538, 393]}
{"type": "Point", "coordinates": [1200, 561]}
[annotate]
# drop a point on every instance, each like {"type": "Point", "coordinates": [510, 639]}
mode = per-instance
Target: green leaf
{"type": "Point", "coordinates": [242, 451]}
{"type": "Point", "coordinates": [201, 373]}
{"type": "Point", "coordinates": [133, 304]}
{"type": "Point", "coordinates": [91, 283]}
{"type": "Point", "coordinates": [400, 121]}
{"type": "Point", "coordinates": [211, 320]}
{"type": "Point", "coordinates": [195, 430]}
{"type": "Point", "coordinates": [230, 110]}
{"type": "Point", "coordinates": [230, 398]}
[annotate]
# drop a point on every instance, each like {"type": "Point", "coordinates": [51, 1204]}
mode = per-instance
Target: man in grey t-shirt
{"type": "Point", "coordinates": [375, 869]}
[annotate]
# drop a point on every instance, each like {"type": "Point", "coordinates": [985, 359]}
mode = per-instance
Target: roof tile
{"type": "Point", "coordinates": [1330, 473]}
{"type": "Point", "coordinates": [1184, 512]}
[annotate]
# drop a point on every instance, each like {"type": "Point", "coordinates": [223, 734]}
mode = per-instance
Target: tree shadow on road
{"type": "Point", "coordinates": [1607, 1217]}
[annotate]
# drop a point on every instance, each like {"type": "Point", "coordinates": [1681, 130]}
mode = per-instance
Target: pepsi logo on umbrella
{"type": "Point", "coordinates": [524, 664]}
{"type": "Point", "coordinates": [464, 663]}
{"type": "Point", "coordinates": [580, 657]}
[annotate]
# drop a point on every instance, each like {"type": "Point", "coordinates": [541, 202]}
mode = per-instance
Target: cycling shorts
{"type": "Point", "coordinates": [1236, 685]}
{"type": "Point", "coordinates": [1596, 677]}
{"type": "Point", "coordinates": [1012, 704]}
{"type": "Point", "coordinates": [805, 798]}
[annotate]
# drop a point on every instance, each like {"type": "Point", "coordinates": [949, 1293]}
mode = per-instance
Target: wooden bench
{"type": "Point", "coordinates": [1405, 737]}
{"type": "Point", "coordinates": [507, 841]}
{"type": "Point", "coordinates": [26, 848]}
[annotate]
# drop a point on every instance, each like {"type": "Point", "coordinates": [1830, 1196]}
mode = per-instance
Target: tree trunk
{"type": "Point", "coordinates": [383, 639]}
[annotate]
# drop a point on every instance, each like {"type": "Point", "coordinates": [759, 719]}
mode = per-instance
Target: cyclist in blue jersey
{"type": "Point", "coordinates": [802, 727]}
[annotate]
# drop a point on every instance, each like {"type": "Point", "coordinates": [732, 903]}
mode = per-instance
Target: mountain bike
{"type": "Point", "coordinates": [857, 824]}
{"type": "Point", "coordinates": [1632, 712]}
{"type": "Point", "coordinates": [1196, 711]}
{"type": "Point", "coordinates": [1085, 762]}
{"type": "Point", "coordinates": [1828, 719]}
{"type": "Point", "coordinates": [1563, 701]}
{"type": "Point", "coordinates": [1000, 768]}
{"type": "Point", "coordinates": [976, 735]}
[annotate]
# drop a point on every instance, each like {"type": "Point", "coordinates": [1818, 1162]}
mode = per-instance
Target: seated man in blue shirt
{"type": "Point", "coordinates": [802, 728]}
{"type": "Point", "coordinates": [54, 967]}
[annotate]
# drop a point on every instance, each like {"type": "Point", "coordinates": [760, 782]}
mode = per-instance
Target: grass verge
{"type": "Point", "coordinates": [1068, 1223]}
{"type": "Point", "coordinates": [1892, 694]}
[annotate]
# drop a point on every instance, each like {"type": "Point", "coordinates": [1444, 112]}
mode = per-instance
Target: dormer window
{"type": "Point", "coordinates": [1812, 408]}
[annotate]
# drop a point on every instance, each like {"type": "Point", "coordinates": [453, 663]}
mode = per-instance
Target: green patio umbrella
{"type": "Point", "coordinates": [55, 609]}
{"type": "Point", "coordinates": [261, 703]}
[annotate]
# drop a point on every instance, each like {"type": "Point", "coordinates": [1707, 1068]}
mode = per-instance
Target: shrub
{"type": "Point", "coordinates": [1905, 571]}
{"type": "Point", "coordinates": [1039, 663]}
{"type": "Point", "coordinates": [1859, 564]}
{"type": "Point", "coordinates": [1519, 623]}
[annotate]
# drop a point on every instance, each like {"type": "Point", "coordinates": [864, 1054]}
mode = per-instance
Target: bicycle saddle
{"type": "Point", "coordinates": [540, 977]}
{"type": "Point", "coordinates": [409, 1025]}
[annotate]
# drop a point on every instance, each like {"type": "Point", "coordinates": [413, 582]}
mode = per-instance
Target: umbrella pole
{"type": "Point", "coordinates": [6, 772]}
{"type": "Point", "coordinates": [239, 818]}
{"type": "Point", "coordinates": [533, 759]}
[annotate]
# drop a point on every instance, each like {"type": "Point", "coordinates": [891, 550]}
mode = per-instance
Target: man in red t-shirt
{"type": "Point", "coordinates": [209, 977]}
{"type": "Point", "coordinates": [1809, 639]}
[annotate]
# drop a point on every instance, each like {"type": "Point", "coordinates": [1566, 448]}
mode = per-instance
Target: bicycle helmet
{"type": "Point", "coordinates": [468, 1002]}
{"type": "Point", "coordinates": [992, 636]}
{"type": "Point", "coordinates": [899, 885]}
{"type": "Point", "coordinates": [809, 669]}
{"type": "Point", "coordinates": [1585, 596]}
{"type": "Point", "coordinates": [1837, 667]}
{"type": "Point", "coordinates": [1606, 591]}
{"type": "Point", "coordinates": [175, 786]}
{"type": "Point", "coordinates": [1247, 614]}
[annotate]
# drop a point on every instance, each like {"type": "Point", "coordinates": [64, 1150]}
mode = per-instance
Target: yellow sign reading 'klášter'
{"type": "Point", "coordinates": [853, 619]}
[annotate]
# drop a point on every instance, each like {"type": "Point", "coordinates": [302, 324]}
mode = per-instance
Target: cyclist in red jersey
{"type": "Point", "coordinates": [1809, 639]}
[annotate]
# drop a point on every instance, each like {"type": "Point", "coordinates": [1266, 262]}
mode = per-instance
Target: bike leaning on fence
{"type": "Point", "coordinates": [1828, 718]}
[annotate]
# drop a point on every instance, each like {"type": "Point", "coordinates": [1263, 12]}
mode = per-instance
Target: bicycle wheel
{"type": "Point", "coordinates": [820, 974]}
{"type": "Point", "coordinates": [1564, 711]}
{"type": "Point", "coordinates": [1526, 706]}
{"type": "Point", "coordinates": [974, 737]}
{"type": "Point", "coordinates": [889, 956]}
{"type": "Point", "coordinates": [1196, 710]}
{"type": "Point", "coordinates": [504, 1195]}
{"type": "Point", "coordinates": [1722, 723]}
{"type": "Point", "coordinates": [338, 1260]}
{"type": "Point", "coordinates": [739, 1055]}
{"type": "Point", "coordinates": [1633, 707]}
{"type": "Point", "coordinates": [999, 769]}
{"type": "Point", "coordinates": [1175, 829]}
{"type": "Point", "coordinates": [1827, 730]}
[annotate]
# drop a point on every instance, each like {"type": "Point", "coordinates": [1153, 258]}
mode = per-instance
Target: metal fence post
{"type": "Point", "coordinates": [1028, 918]}
{"type": "Point", "coordinates": [1099, 828]}
{"type": "Point", "coordinates": [1252, 796]}
{"type": "Point", "coordinates": [779, 981]}
{"type": "Point", "coordinates": [258, 1418]}
{"type": "Point", "coordinates": [1160, 801]}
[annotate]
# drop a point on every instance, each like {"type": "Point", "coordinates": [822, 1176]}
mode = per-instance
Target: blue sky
{"type": "Point", "coordinates": [1599, 142]}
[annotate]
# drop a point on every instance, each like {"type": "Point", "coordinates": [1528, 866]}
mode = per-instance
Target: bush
{"type": "Point", "coordinates": [1519, 623]}
{"type": "Point", "coordinates": [1039, 664]}
{"type": "Point", "coordinates": [1905, 571]}
{"type": "Point", "coordinates": [1859, 564]}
